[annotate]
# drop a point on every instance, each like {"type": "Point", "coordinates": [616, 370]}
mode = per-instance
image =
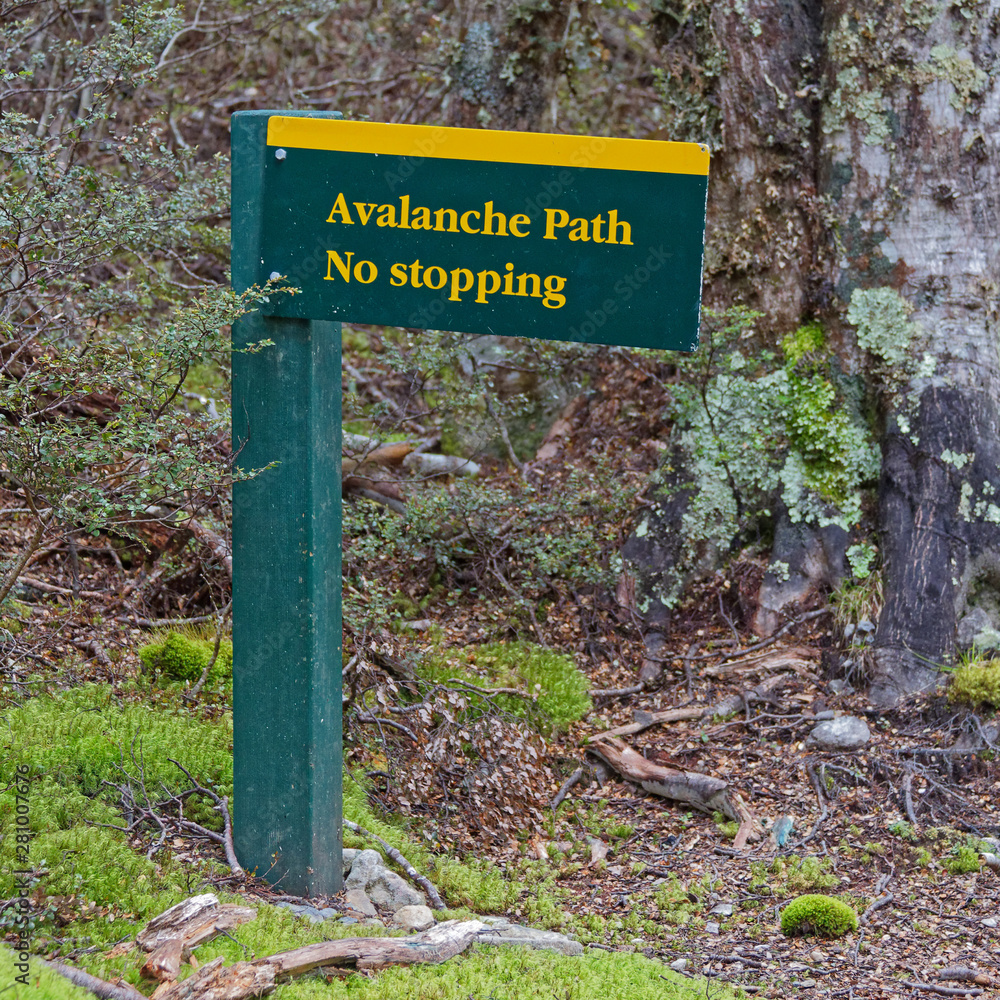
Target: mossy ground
{"type": "Point", "coordinates": [93, 889]}
{"type": "Point", "coordinates": [557, 689]}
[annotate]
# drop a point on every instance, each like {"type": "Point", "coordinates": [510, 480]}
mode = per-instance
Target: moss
{"type": "Point", "coordinates": [976, 682]}
{"type": "Point", "coordinates": [183, 656]}
{"type": "Point", "coordinates": [963, 859]}
{"type": "Point", "coordinates": [37, 982]}
{"type": "Point", "coordinates": [557, 687]}
{"type": "Point", "coordinates": [821, 915]}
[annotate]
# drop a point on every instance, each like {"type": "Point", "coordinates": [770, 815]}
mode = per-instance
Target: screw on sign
{"type": "Point", "coordinates": [556, 237]}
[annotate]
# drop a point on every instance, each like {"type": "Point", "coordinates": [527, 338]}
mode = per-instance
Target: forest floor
{"type": "Point", "coordinates": [633, 859]}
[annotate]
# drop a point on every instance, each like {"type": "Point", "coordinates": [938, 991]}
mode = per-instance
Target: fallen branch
{"type": "Point", "coordinates": [945, 991]}
{"type": "Point", "coordinates": [728, 705]}
{"type": "Point", "coordinates": [99, 987]}
{"type": "Point", "coordinates": [565, 787]}
{"type": "Point", "coordinates": [440, 943]}
{"type": "Point", "coordinates": [699, 790]}
{"type": "Point", "coordinates": [215, 542]}
{"type": "Point", "coordinates": [415, 876]}
{"type": "Point", "coordinates": [222, 805]}
{"type": "Point", "coordinates": [962, 974]}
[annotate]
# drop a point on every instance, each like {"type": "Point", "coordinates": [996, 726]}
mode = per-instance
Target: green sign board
{"type": "Point", "coordinates": [552, 236]}
{"type": "Point", "coordinates": [525, 234]}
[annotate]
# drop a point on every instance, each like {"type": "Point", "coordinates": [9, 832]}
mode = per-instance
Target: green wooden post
{"type": "Point", "coordinates": [288, 758]}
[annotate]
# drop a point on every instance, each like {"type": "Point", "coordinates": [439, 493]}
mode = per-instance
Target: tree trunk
{"type": "Point", "coordinates": [910, 123]}
{"type": "Point", "coordinates": [855, 179]}
{"type": "Point", "coordinates": [507, 65]}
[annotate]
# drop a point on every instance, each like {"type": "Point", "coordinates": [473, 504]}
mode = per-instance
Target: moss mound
{"type": "Point", "coordinates": [182, 657]}
{"type": "Point", "coordinates": [976, 683]}
{"type": "Point", "coordinates": [818, 914]}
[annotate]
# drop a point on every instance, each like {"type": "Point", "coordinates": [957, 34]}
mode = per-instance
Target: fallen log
{"type": "Point", "coordinates": [441, 942]}
{"type": "Point", "coordinates": [701, 791]}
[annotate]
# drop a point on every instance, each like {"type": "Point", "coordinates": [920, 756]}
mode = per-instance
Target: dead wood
{"type": "Point", "coordinates": [214, 981]}
{"type": "Point", "coordinates": [728, 705]}
{"type": "Point", "coordinates": [222, 804]}
{"type": "Point", "coordinates": [164, 962]}
{"type": "Point", "coordinates": [192, 922]}
{"type": "Point", "coordinates": [944, 991]}
{"type": "Point", "coordinates": [963, 974]}
{"type": "Point", "coordinates": [802, 660]}
{"type": "Point", "coordinates": [421, 880]}
{"type": "Point", "coordinates": [99, 987]}
{"type": "Point", "coordinates": [566, 786]}
{"type": "Point", "coordinates": [440, 943]}
{"type": "Point", "coordinates": [699, 790]}
{"type": "Point", "coordinates": [215, 542]}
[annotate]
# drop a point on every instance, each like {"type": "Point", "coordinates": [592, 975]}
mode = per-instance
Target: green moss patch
{"type": "Point", "coordinates": [556, 688]}
{"type": "Point", "coordinates": [183, 656]}
{"type": "Point", "coordinates": [816, 914]}
{"type": "Point", "coordinates": [976, 683]}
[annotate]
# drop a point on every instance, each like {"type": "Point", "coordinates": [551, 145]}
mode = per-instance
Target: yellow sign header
{"type": "Point", "coordinates": [541, 148]}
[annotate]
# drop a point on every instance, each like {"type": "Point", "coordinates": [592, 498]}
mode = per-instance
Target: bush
{"type": "Point", "coordinates": [817, 914]}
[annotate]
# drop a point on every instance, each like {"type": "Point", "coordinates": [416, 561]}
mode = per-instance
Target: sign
{"type": "Point", "coordinates": [553, 236]}
{"type": "Point", "coordinates": [526, 234]}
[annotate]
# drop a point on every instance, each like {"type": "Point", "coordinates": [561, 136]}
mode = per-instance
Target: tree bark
{"type": "Point", "coordinates": [855, 165]}
{"type": "Point", "coordinates": [508, 64]}
{"type": "Point", "coordinates": [910, 124]}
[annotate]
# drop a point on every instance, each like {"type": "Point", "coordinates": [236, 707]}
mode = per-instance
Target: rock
{"type": "Point", "coordinates": [364, 867]}
{"type": "Point", "coordinates": [723, 909]}
{"type": "Point", "coordinates": [825, 716]}
{"type": "Point", "coordinates": [308, 912]}
{"type": "Point", "coordinates": [847, 732]}
{"type": "Point", "coordinates": [501, 931]}
{"type": "Point", "coordinates": [384, 888]}
{"type": "Point", "coordinates": [349, 854]}
{"type": "Point", "coordinates": [838, 686]}
{"type": "Point", "coordinates": [711, 927]}
{"type": "Point", "coordinates": [358, 901]}
{"type": "Point", "coordinates": [413, 918]}
{"type": "Point", "coordinates": [680, 964]}
{"type": "Point", "coordinates": [328, 913]}
{"type": "Point", "coordinates": [973, 625]}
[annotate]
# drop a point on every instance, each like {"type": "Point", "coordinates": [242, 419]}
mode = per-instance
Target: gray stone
{"type": "Point", "coordinates": [349, 854]}
{"type": "Point", "coordinates": [844, 733]}
{"type": "Point", "coordinates": [500, 930]}
{"type": "Point", "coordinates": [385, 888]}
{"type": "Point", "coordinates": [364, 866]}
{"type": "Point", "coordinates": [723, 909]}
{"type": "Point", "coordinates": [711, 927]}
{"type": "Point", "coordinates": [358, 901]}
{"type": "Point", "coordinates": [308, 912]}
{"type": "Point", "coordinates": [329, 912]}
{"type": "Point", "coordinates": [838, 686]}
{"type": "Point", "coordinates": [826, 715]}
{"type": "Point", "coordinates": [348, 920]}
{"type": "Point", "coordinates": [972, 625]}
{"type": "Point", "coordinates": [680, 964]}
{"type": "Point", "coordinates": [413, 918]}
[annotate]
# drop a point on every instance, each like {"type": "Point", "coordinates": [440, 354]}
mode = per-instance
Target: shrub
{"type": "Point", "coordinates": [817, 914]}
